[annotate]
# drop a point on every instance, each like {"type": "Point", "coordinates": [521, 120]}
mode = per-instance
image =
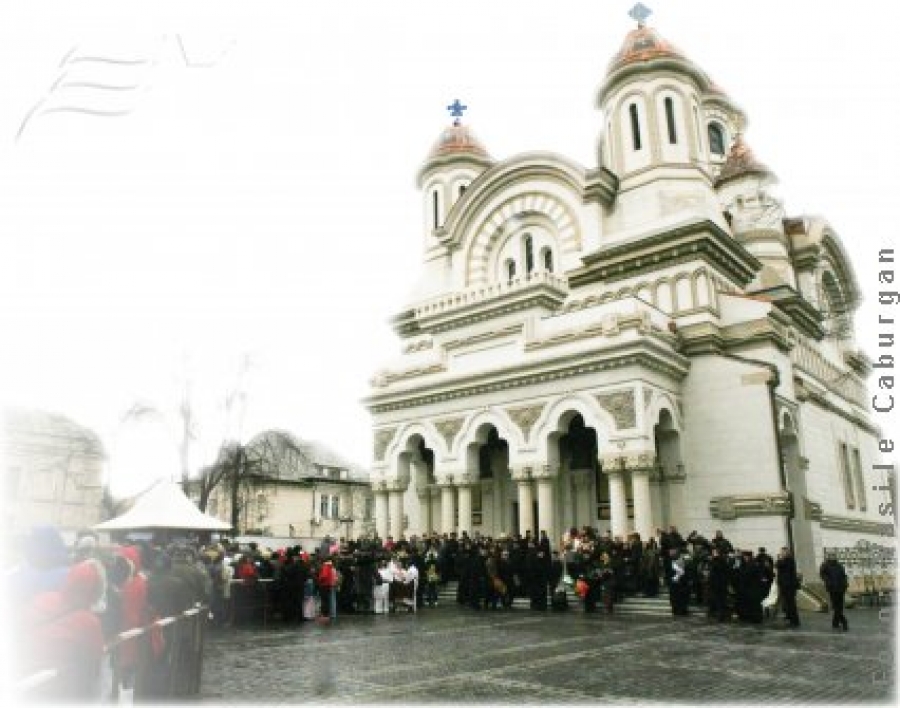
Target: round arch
{"type": "Point", "coordinates": [555, 419]}
{"type": "Point", "coordinates": [659, 403]}
{"type": "Point", "coordinates": [475, 429]}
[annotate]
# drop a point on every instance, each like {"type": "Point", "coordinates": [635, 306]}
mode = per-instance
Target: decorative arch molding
{"type": "Point", "coordinates": [659, 402]}
{"type": "Point", "coordinates": [401, 441]}
{"type": "Point", "coordinates": [506, 429]}
{"type": "Point", "coordinates": [831, 250]}
{"type": "Point", "coordinates": [542, 205]}
{"type": "Point", "coordinates": [582, 403]}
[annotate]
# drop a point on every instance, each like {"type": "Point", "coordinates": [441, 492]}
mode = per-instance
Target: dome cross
{"type": "Point", "coordinates": [639, 13]}
{"type": "Point", "coordinates": [456, 110]}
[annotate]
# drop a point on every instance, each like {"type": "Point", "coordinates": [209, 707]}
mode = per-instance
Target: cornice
{"type": "Point", "coordinates": [808, 395]}
{"type": "Point", "coordinates": [660, 249]}
{"type": "Point", "coordinates": [641, 353]}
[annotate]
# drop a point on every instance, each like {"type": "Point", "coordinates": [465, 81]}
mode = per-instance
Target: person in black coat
{"type": "Point", "coordinates": [536, 572]}
{"type": "Point", "coordinates": [718, 585]}
{"type": "Point", "coordinates": [749, 590]}
{"type": "Point", "coordinates": [835, 578]}
{"type": "Point", "coordinates": [788, 584]}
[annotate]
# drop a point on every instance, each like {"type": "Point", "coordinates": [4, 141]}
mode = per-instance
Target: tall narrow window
{"type": "Point", "coordinates": [323, 506]}
{"type": "Point", "coordinates": [462, 190]}
{"type": "Point", "coordinates": [436, 209]}
{"type": "Point", "coordinates": [510, 269]}
{"type": "Point", "coordinates": [716, 139]}
{"type": "Point", "coordinates": [860, 481]}
{"type": "Point", "coordinates": [697, 126]}
{"type": "Point", "coordinates": [845, 477]}
{"type": "Point", "coordinates": [635, 126]}
{"type": "Point", "coordinates": [529, 254]}
{"type": "Point", "coordinates": [335, 506]}
{"type": "Point", "coordinates": [670, 120]}
{"type": "Point", "coordinates": [548, 260]}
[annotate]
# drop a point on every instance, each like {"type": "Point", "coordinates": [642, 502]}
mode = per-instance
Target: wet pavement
{"type": "Point", "coordinates": [455, 655]}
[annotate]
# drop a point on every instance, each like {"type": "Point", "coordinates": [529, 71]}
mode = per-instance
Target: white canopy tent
{"type": "Point", "coordinates": [164, 506]}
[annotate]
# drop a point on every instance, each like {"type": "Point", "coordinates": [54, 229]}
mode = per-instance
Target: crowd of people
{"type": "Point", "coordinates": [70, 605]}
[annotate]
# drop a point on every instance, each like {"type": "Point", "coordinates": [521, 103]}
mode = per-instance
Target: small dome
{"type": "Point", "coordinates": [741, 161]}
{"type": "Point", "coordinates": [456, 142]}
{"type": "Point", "coordinates": [643, 44]}
{"type": "Point", "coordinates": [457, 139]}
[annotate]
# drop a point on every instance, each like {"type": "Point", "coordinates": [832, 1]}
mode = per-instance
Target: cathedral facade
{"type": "Point", "coordinates": [646, 341]}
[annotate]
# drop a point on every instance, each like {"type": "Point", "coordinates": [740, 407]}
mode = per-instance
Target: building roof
{"type": "Point", "coordinates": [284, 455]}
{"type": "Point", "coordinates": [50, 430]}
{"type": "Point", "coordinates": [740, 162]}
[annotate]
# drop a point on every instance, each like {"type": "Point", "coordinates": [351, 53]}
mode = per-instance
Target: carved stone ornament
{"type": "Point", "coordinates": [449, 427]}
{"type": "Point", "coordinates": [640, 461]}
{"type": "Point", "coordinates": [620, 405]}
{"type": "Point", "coordinates": [383, 438]}
{"type": "Point", "coordinates": [845, 523]}
{"type": "Point", "coordinates": [525, 417]}
{"type": "Point", "coordinates": [741, 505]}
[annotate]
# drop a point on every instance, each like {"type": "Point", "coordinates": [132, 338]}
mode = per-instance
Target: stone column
{"type": "Point", "coordinates": [522, 478]}
{"type": "Point", "coordinates": [643, 511]}
{"type": "Point", "coordinates": [448, 507]}
{"type": "Point", "coordinates": [618, 504]}
{"type": "Point", "coordinates": [434, 495]}
{"type": "Point", "coordinates": [424, 511]}
{"type": "Point", "coordinates": [546, 505]}
{"type": "Point", "coordinates": [583, 500]}
{"type": "Point", "coordinates": [464, 499]}
{"type": "Point", "coordinates": [381, 512]}
{"type": "Point", "coordinates": [395, 502]}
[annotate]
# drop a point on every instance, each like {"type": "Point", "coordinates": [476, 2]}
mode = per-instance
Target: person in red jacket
{"type": "Point", "coordinates": [66, 636]}
{"type": "Point", "coordinates": [133, 599]}
{"type": "Point", "coordinates": [327, 581]}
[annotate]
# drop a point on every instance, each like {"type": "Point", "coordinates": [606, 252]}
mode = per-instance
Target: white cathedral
{"type": "Point", "coordinates": [646, 341]}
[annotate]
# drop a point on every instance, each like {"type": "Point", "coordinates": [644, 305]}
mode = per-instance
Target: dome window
{"type": "Point", "coordinates": [529, 254]}
{"type": "Point", "coordinates": [635, 126]}
{"type": "Point", "coordinates": [670, 119]}
{"type": "Point", "coordinates": [716, 139]}
{"type": "Point", "coordinates": [510, 266]}
{"type": "Point", "coordinates": [462, 190]}
{"type": "Point", "coordinates": [436, 209]}
{"type": "Point", "coordinates": [547, 258]}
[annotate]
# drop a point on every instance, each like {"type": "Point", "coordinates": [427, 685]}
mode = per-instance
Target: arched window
{"type": "Point", "coordinates": [462, 190]}
{"type": "Point", "coordinates": [670, 119]}
{"type": "Point", "coordinates": [529, 254]}
{"type": "Point", "coordinates": [510, 269]}
{"type": "Point", "coordinates": [635, 126]}
{"type": "Point", "coordinates": [547, 257]}
{"type": "Point", "coordinates": [436, 209]}
{"type": "Point", "coordinates": [716, 139]}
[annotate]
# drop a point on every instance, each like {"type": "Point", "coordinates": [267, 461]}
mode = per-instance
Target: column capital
{"type": "Point", "coordinates": [545, 471]}
{"type": "Point", "coordinates": [394, 485]}
{"type": "Point", "coordinates": [521, 473]}
{"type": "Point", "coordinates": [636, 461]}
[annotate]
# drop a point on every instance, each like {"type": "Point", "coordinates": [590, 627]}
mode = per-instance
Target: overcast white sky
{"type": "Point", "coordinates": [256, 195]}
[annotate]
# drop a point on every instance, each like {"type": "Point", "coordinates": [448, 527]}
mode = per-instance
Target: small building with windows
{"type": "Point", "coordinates": [644, 341]}
{"type": "Point", "coordinates": [54, 471]}
{"type": "Point", "coordinates": [294, 488]}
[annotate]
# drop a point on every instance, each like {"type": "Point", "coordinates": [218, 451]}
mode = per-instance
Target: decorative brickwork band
{"type": "Point", "coordinates": [844, 523]}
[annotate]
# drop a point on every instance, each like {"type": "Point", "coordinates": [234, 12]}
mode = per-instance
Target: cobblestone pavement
{"type": "Point", "coordinates": [456, 655]}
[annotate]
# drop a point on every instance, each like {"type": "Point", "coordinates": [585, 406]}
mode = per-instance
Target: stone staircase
{"type": "Point", "coordinates": [632, 605]}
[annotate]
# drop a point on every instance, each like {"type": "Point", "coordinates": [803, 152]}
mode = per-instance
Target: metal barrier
{"type": "Point", "coordinates": [169, 664]}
